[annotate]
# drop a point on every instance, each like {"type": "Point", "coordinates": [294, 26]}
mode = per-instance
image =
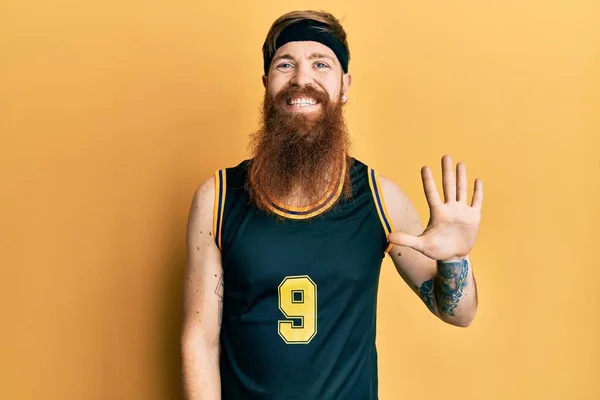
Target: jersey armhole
{"type": "Point", "coordinates": [377, 192]}
{"type": "Point", "coordinates": [219, 206]}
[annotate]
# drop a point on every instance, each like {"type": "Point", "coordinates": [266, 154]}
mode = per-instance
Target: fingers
{"type": "Point", "coordinates": [404, 239]}
{"type": "Point", "coordinates": [461, 182]}
{"type": "Point", "coordinates": [454, 186]}
{"type": "Point", "coordinates": [431, 193]}
{"type": "Point", "coordinates": [448, 180]}
{"type": "Point", "coordinates": [477, 194]}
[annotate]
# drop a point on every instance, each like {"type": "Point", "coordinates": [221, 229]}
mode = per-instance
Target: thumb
{"type": "Point", "coordinates": [404, 239]}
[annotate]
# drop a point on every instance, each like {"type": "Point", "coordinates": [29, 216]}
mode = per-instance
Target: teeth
{"type": "Point", "coordinates": [302, 102]}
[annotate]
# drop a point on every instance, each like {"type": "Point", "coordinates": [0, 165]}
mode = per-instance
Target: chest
{"type": "Point", "coordinates": [346, 250]}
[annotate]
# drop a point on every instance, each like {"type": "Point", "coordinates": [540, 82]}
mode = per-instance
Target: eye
{"type": "Point", "coordinates": [284, 65]}
{"type": "Point", "coordinates": [321, 65]}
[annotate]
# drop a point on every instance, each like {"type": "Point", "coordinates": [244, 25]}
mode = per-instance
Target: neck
{"type": "Point", "coordinates": [325, 184]}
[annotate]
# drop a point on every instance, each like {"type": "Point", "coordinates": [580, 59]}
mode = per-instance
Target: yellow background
{"type": "Point", "coordinates": [112, 113]}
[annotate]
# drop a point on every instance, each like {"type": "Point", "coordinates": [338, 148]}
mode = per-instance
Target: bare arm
{"type": "Point", "coordinates": [447, 287]}
{"type": "Point", "coordinates": [201, 302]}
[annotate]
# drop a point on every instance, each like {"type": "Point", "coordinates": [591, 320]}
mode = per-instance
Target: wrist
{"type": "Point", "coordinates": [453, 260]}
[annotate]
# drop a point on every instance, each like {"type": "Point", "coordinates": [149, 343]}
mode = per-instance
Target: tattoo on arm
{"type": "Point", "coordinates": [426, 293]}
{"type": "Point", "coordinates": [449, 284]}
{"type": "Point", "coordinates": [219, 293]}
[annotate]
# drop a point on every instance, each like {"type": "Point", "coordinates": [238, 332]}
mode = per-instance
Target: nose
{"type": "Point", "coordinates": [302, 76]}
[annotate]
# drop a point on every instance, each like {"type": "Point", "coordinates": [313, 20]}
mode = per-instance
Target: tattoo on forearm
{"type": "Point", "coordinates": [219, 293]}
{"type": "Point", "coordinates": [426, 293]}
{"type": "Point", "coordinates": [449, 284]}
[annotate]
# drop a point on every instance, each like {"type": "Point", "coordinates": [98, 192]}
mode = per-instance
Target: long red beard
{"type": "Point", "coordinates": [297, 155]}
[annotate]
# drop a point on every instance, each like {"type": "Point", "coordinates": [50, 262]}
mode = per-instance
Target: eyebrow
{"type": "Point", "coordinates": [288, 56]}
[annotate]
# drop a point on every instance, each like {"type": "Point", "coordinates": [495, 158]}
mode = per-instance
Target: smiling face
{"type": "Point", "coordinates": [303, 140]}
{"type": "Point", "coordinates": [304, 75]}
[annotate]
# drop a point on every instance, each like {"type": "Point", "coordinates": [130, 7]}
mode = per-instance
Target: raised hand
{"type": "Point", "coordinates": [453, 224]}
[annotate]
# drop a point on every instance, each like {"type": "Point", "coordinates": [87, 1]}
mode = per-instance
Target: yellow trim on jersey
{"type": "Point", "coordinates": [215, 205]}
{"type": "Point", "coordinates": [219, 206]}
{"type": "Point", "coordinates": [318, 210]}
{"type": "Point", "coordinates": [333, 194]}
{"type": "Point", "coordinates": [332, 188]}
{"type": "Point", "coordinates": [384, 217]}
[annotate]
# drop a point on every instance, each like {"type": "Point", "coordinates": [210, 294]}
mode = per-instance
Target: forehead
{"type": "Point", "coordinates": [304, 49]}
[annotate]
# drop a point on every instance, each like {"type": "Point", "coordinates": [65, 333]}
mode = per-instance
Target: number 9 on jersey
{"type": "Point", "coordinates": [298, 303]}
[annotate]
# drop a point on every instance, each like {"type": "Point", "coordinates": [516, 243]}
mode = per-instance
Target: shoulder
{"type": "Point", "coordinates": [401, 209]}
{"type": "Point", "coordinates": [387, 187]}
{"type": "Point", "coordinates": [393, 196]}
{"type": "Point", "coordinates": [208, 198]}
{"type": "Point", "coordinates": [203, 201]}
{"type": "Point", "coordinates": [205, 192]}
{"type": "Point", "coordinates": [209, 187]}
{"type": "Point", "coordinates": [392, 191]}
{"type": "Point", "coordinates": [208, 192]}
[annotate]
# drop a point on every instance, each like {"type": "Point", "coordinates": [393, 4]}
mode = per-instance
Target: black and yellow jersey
{"type": "Point", "coordinates": [300, 292]}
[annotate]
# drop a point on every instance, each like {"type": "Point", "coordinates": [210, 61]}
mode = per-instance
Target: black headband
{"type": "Point", "coordinates": [309, 30]}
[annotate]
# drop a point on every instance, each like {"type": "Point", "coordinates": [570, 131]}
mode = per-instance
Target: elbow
{"type": "Point", "coordinates": [187, 346]}
{"type": "Point", "coordinates": [195, 340]}
{"type": "Point", "coordinates": [461, 321]}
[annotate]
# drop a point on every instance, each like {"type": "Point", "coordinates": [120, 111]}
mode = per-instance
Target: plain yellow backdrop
{"type": "Point", "coordinates": [113, 112]}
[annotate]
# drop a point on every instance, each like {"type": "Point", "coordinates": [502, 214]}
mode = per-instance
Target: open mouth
{"type": "Point", "coordinates": [301, 102]}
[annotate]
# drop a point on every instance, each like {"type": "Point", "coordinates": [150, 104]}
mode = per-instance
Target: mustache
{"type": "Point", "coordinates": [305, 91]}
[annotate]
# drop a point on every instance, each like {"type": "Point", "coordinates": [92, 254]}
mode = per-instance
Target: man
{"type": "Point", "coordinates": [285, 249]}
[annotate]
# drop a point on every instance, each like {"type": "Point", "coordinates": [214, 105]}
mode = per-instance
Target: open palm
{"type": "Point", "coordinates": [453, 224]}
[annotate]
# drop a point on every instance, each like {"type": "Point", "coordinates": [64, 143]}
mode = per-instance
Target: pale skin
{"type": "Point", "coordinates": [307, 63]}
{"type": "Point", "coordinates": [449, 236]}
{"type": "Point", "coordinates": [435, 262]}
{"type": "Point", "coordinates": [201, 308]}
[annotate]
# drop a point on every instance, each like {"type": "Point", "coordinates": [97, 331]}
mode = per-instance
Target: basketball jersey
{"type": "Point", "coordinates": [300, 293]}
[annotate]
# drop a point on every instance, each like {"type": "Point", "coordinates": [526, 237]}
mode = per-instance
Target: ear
{"type": "Point", "coordinates": [264, 81]}
{"type": "Point", "coordinates": [346, 82]}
